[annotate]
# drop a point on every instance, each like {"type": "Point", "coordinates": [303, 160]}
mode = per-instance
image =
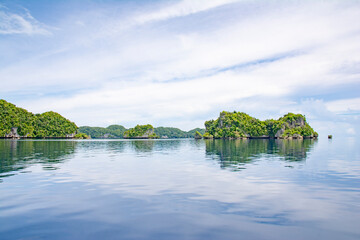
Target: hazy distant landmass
{"type": "Point", "coordinates": [112, 131]}
{"type": "Point", "coordinates": [117, 131]}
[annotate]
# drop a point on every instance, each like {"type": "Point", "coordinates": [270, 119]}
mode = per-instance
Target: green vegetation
{"type": "Point", "coordinates": [81, 136]}
{"type": "Point", "coordinates": [241, 125]}
{"type": "Point", "coordinates": [198, 135]}
{"type": "Point", "coordinates": [112, 131]}
{"type": "Point", "coordinates": [117, 131]}
{"type": "Point", "coordinates": [18, 155]}
{"type": "Point", "coordinates": [52, 124]}
{"type": "Point", "coordinates": [141, 131]}
{"type": "Point", "coordinates": [171, 132]}
{"type": "Point", "coordinates": [192, 133]}
{"type": "Point", "coordinates": [48, 124]}
{"type": "Point", "coordinates": [235, 154]}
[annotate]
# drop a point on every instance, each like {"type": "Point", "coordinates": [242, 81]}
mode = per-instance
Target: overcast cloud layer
{"type": "Point", "coordinates": [179, 63]}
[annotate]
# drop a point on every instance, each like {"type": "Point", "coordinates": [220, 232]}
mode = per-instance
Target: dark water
{"type": "Point", "coordinates": [180, 189]}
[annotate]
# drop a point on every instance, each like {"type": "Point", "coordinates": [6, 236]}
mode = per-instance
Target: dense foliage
{"type": "Point", "coordinates": [112, 131]}
{"type": "Point", "coordinates": [52, 124]}
{"type": "Point", "coordinates": [171, 132]}
{"type": "Point", "coordinates": [81, 136]}
{"type": "Point", "coordinates": [241, 125]}
{"type": "Point", "coordinates": [192, 132]}
{"type": "Point", "coordinates": [198, 135]}
{"type": "Point", "coordinates": [48, 124]}
{"type": "Point", "coordinates": [117, 131]}
{"type": "Point", "coordinates": [141, 131]}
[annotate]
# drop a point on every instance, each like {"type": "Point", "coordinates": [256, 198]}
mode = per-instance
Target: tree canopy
{"type": "Point", "coordinates": [112, 131]}
{"type": "Point", "coordinates": [141, 131]}
{"type": "Point", "coordinates": [241, 125]}
{"type": "Point", "coordinates": [48, 124]}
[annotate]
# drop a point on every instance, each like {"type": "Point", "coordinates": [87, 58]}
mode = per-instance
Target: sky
{"type": "Point", "coordinates": [179, 63]}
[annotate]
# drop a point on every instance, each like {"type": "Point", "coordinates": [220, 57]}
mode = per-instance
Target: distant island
{"type": "Point", "coordinates": [240, 125]}
{"type": "Point", "coordinates": [19, 123]}
{"type": "Point", "coordinates": [117, 131]}
{"type": "Point", "coordinates": [141, 132]}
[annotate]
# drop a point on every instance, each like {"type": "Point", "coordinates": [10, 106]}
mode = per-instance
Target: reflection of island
{"type": "Point", "coordinates": [17, 155]}
{"type": "Point", "coordinates": [242, 151]}
{"type": "Point", "coordinates": [142, 146]}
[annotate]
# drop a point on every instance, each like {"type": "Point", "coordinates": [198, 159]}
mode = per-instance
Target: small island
{"type": "Point", "coordinates": [235, 125]}
{"type": "Point", "coordinates": [141, 132]}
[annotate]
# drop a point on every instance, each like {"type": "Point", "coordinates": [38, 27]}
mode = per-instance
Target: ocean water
{"type": "Point", "coordinates": [180, 189]}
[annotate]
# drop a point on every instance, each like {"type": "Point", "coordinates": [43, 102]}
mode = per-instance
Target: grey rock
{"type": "Point", "coordinates": [13, 133]}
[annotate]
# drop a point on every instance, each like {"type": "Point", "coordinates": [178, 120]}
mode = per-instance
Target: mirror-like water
{"type": "Point", "coordinates": [180, 189]}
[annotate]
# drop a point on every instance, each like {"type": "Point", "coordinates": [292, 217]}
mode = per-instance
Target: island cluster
{"type": "Point", "coordinates": [19, 123]}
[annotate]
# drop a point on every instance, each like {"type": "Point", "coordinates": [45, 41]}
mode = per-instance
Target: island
{"type": "Point", "coordinates": [117, 131]}
{"type": "Point", "coordinates": [235, 125]}
{"type": "Point", "coordinates": [19, 123]}
{"type": "Point", "coordinates": [141, 132]}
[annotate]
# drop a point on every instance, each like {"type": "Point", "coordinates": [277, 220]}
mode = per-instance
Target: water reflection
{"type": "Point", "coordinates": [141, 146]}
{"type": "Point", "coordinates": [167, 189]}
{"type": "Point", "coordinates": [234, 153]}
{"type": "Point", "coordinates": [148, 146]}
{"type": "Point", "coordinates": [17, 155]}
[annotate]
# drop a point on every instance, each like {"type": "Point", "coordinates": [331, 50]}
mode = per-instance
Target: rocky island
{"type": "Point", "coordinates": [19, 123]}
{"type": "Point", "coordinates": [141, 132]}
{"type": "Point", "coordinates": [240, 125]}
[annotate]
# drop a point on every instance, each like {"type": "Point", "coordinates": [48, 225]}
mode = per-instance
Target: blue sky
{"type": "Point", "coordinates": [179, 63]}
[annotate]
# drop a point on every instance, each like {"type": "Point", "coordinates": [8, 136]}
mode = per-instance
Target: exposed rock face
{"type": "Point", "coordinates": [221, 119]}
{"type": "Point", "coordinates": [72, 135]}
{"type": "Point", "coordinates": [299, 122]}
{"type": "Point", "coordinates": [147, 133]}
{"type": "Point", "coordinates": [13, 133]}
{"type": "Point", "coordinates": [280, 132]}
{"type": "Point", "coordinates": [295, 123]}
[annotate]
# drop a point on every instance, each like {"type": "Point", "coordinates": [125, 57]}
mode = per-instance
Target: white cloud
{"type": "Point", "coordinates": [180, 9]}
{"type": "Point", "coordinates": [170, 71]}
{"type": "Point", "coordinates": [344, 105]}
{"type": "Point", "coordinates": [20, 23]}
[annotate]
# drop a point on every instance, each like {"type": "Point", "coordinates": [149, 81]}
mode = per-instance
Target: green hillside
{"type": "Point", "coordinates": [117, 131]}
{"type": "Point", "coordinates": [112, 131]}
{"type": "Point", "coordinates": [48, 124]}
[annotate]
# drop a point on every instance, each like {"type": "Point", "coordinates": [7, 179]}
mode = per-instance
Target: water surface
{"type": "Point", "coordinates": [180, 189]}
